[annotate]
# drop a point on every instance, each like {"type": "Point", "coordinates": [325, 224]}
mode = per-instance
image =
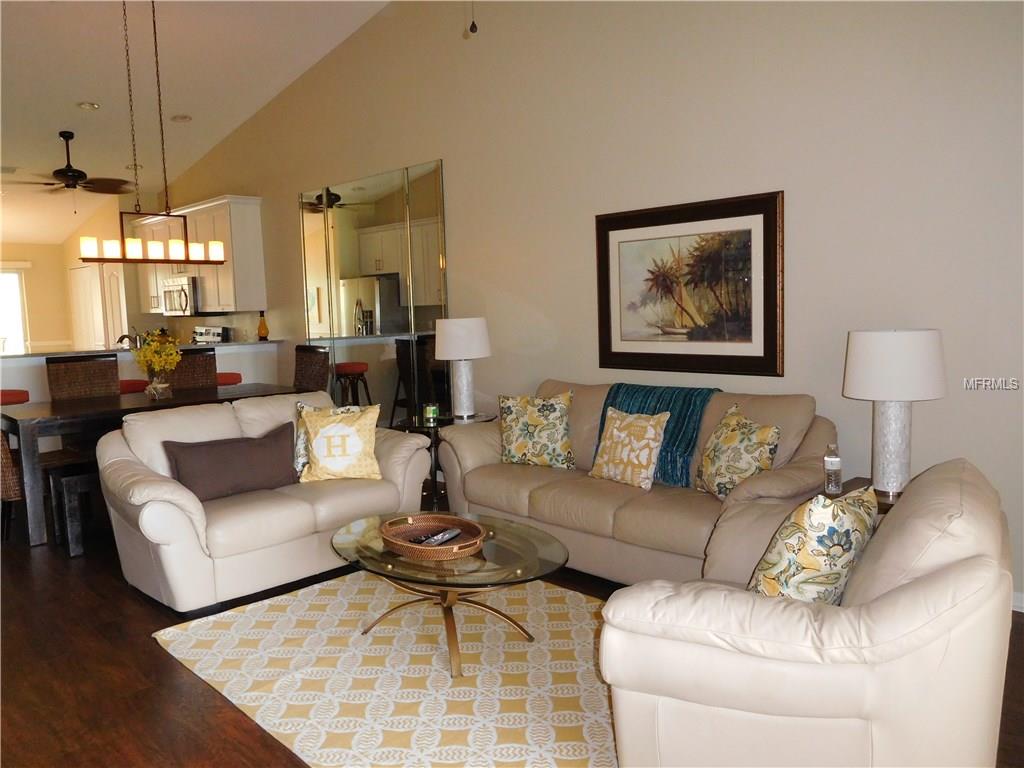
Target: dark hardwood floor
{"type": "Point", "coordinates": [84, 684]}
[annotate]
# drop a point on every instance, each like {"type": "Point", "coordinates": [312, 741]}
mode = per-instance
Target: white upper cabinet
{"type": "Point", "coordinates": [383, 249]}
{"type": "Point", "coordinates": [239, 284]}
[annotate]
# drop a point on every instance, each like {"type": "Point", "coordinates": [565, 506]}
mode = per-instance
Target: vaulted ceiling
{"type": "Point", "coordinates": [220, 62]}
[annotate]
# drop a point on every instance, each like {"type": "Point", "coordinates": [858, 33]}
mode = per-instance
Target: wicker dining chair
{"type": "Point", "coordinates": [197, 369]}
{"type": "Point", "coordinates": [10, 486]}
{"type": "Point", "coordinates": [74, 376]}
{"type": "Point", "coordinates": [312, 368]}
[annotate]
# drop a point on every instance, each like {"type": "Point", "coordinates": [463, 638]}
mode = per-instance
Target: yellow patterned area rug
{"type": "Point", "coordinates": [298, 665]}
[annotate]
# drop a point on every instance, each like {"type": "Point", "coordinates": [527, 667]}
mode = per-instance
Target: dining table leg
{"type": "Point", "coordinates": [32, 479]}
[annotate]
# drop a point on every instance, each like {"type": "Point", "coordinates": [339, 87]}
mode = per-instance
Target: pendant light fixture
{"type": "Point", "coordinates": [145, 237]}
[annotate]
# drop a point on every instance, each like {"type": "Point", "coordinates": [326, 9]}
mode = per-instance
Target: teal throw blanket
{"type": "Point", "coordinates": [686, 404]}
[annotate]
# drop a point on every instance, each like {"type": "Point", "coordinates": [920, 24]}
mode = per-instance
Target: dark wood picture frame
{"type": "Point", "coordinates": [685, 355]}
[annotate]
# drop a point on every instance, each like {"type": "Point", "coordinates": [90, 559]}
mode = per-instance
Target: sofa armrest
{"type": "Point", "coordinates": [137, 493]}
{"type": "Point", "coordinates": [474, 445]}
{"type": "Point", "coordinates": [463, 448]}
{"type": "Point", "coordinates": [803, 478]}
{"type": "Point", "coordinates": [405, 462]}
{"type": "Point", "coordinates": [730, 647]}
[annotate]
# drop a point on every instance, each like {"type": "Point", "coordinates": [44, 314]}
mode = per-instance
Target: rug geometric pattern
{"type": "Point", "coordinates": [298, 665]}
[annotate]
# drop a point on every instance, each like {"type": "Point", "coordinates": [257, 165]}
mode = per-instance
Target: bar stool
{"type": "Point", "coordinates": [131, 386]}
{"type": "Point", "coordinates": [13, 396]}
{"type": "Point", "coordinates": [228, 378]}
{"type": "Point", "coordinates": [349, 376]}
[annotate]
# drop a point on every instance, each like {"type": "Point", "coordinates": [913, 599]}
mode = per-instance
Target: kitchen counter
{"type": "Point", "coordinates": [376, 339]}
{"type": "Point", "coordinates": [80, 352]}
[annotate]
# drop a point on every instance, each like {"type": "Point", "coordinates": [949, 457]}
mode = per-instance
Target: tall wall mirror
{"type": "Point", "coordinates": [374, 266]}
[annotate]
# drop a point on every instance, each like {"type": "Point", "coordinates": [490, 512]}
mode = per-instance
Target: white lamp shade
{"type": "Point", "coordinates": [898, 365]}
{"type": "Point", "coordinates": [196, 252]}
{"type": "Point", "coordinates": [462, 338]}
{"type": "Point", "coordinates": [176, 249]}
{"type": "Point", "coordinates": [154, 249]}
{"type": "Point", "coordinates": [111, 249]}
{"type": "Point", "coordinates": [216, 250]}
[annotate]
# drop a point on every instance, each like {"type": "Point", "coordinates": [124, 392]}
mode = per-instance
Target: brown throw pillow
{"type": "Point", "coordinates": [225, 467]}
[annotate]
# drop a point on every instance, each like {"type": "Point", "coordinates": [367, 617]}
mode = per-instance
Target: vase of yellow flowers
{"type": "Point", "coordinates": [158, 355]}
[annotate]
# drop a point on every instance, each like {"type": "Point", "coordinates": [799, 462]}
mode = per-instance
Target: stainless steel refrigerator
{"type": "Point", "coordinates": [370, 306]}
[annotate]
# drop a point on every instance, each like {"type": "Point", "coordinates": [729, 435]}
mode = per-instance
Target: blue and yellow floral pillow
{"type": "Point", "coordinates": [738, 448]}
{"type": "Point", "coordinates": [812, 553]}
{"type": "Point", "coordinates": [535, 430]}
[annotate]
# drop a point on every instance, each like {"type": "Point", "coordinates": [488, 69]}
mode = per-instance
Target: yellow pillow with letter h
{"type": "Point", "coordinates": [341, 445]}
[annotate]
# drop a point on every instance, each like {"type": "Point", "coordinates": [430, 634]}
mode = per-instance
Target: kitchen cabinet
{"type": "Point", "coordinates": [385, 249]}
{"type": "Point", "coordinates": [427, 281]}
{"type": "Point", "coordinates": [382, 249]}
{"type": "Point", "coordinates": [239, 283]}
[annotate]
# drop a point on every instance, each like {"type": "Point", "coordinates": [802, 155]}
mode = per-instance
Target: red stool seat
{"type": "Point", "coordinates": [130, 386]}
{"type": "Point", "coordinates": [13, 396]}
{"type": "Point", "coordinates": [351, 368]}
{"type": "Point", "coordinates": [227, 378]}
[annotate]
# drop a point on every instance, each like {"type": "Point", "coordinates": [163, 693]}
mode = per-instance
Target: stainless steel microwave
{"type": "Point", "coordinates": [181, 296]}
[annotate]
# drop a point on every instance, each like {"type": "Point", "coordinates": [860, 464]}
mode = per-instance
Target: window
{"type": "Point", "coordinates": [12, 314]}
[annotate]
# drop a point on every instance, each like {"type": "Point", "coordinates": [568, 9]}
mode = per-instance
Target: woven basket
{"type": "Point", "coordinates": [397, 532]}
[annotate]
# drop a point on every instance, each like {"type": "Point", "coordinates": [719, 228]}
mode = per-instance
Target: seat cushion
{"type": "Point", "coordinates": [227, 378]}
{"type": "Point", "coordinates": [132, 386]}
{"type": "Point", "coordinates": [582, 503]}
{"type": "Point", "coordinates": [507, 487]}
{"type": "Point", "coordinates": [145, 433]}
{"type": "Point", "coordinates": [948, 513]}
{"type": "Point", "coordinates": [669, 519]}
{"type": "Point", "coordinates": [338, 502]}
{"type": "Point", "coordinates": [259, 415]}
{"type": "Point", "coordinates": [13, 396]}
{"type": "Point", "coordinates": [254, 520]}
{"type": "Point", "coordinates": [792, 414]}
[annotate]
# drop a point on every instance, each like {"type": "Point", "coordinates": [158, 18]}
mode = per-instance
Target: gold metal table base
{"type": "Point", "coordinates": [447, 599]}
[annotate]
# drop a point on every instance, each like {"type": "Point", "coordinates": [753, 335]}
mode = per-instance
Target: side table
{"type": "Point", "coordinates": [432, 429]}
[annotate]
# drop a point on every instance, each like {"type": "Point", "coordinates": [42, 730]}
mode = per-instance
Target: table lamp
{"type": "Point", "coordinates": [893, 369]}
{"type": "Point", "coordinates": [462, 340]}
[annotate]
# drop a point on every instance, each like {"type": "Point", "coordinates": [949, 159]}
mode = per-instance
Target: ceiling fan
{"type": "Point", "coordinates": [316, 205]}
{"type": "Point", "coordinates": [70, 177]}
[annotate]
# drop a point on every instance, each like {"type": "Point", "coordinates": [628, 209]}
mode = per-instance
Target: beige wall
{"type": "Point", "coordinates": [46, 294]}
{"type": "Point", "coordinates": [894, 129]}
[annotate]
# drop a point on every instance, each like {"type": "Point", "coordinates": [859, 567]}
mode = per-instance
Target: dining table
{"type": "Point", "coordinates": [91, 416]}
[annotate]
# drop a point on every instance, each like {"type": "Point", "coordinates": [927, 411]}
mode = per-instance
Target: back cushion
{"type": "Point", "coordinates": [584, 416]}
{"type": "Point", "coordinates": [792, 414]}
{"type": "Point", "coordinates": [145, 433]}
{"type": "Point", "coordinates": [947, 513]}
{"type": "Point", "coordinates": [259, 415]}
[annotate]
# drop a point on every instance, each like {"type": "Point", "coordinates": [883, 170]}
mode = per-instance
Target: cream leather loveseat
{"type": "Point", "coordinates": [909, 670]}
{"type": "Point", "coordinates": [190, 554]}
{"type": "Point", "coordinates": [627, 534]}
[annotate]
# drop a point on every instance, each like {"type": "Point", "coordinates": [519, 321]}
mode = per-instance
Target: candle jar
{"type": "Point", "coordinates": [430, 413]}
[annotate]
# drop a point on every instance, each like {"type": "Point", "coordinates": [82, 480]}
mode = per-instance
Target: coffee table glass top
{"type": "Point", "coordinates": [513, 553]}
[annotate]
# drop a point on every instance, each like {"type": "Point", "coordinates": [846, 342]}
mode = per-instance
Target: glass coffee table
{"type": "Point", "coordinates": [513, 553]}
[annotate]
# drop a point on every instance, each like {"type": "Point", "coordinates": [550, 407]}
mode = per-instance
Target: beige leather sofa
{"type": "Point", "coordinates": [190, 554]}
{"type": "Point", "coordinates": [909, 670]}
{"type": "Point", "coordinates": [627, 534]}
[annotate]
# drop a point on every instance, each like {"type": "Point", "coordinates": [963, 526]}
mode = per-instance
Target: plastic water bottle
{"type": "Point", "coordinates": [833, 471]}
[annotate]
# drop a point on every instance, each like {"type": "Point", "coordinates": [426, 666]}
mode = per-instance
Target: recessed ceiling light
{"type": "Point", "coordinates": [358, 189]}
{"type": "Point", "coordinates": [181, 118]}
{"type": "Point", "coordinates": [88, 106]}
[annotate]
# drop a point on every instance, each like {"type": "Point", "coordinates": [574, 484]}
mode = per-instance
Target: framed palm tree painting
{"type": "Point", "coordinates": [694, 287]}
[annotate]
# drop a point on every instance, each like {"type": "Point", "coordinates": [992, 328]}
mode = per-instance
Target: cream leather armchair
{"type": "Point", "coordinates": [908, 670]}
{"type": "Point", "coordinates": [190, 554]}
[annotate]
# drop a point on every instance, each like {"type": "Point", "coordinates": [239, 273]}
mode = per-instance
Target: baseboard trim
{"type": "Point", "coordinates": [1018, 601]}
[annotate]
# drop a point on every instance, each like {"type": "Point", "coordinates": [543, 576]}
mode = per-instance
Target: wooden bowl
{"type": "Point", "coordinates": [397, 532]}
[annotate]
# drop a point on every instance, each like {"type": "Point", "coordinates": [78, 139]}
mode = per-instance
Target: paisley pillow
{"type": "Point", "coordinates": [812, 553]}
{"type": "Point", "coordinates": [535, 430]}
{"type": "Point", "coordinates": [737, 449]}
{"type": "Point", "coordinates": [630, 446]}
